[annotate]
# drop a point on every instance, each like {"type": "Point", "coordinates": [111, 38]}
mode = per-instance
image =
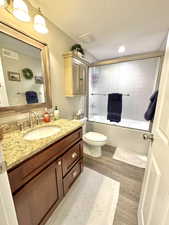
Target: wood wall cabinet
{"type": "Point", "coordinates": [41, 188]}
{"type": "Point", "coordinates": [75, 70]}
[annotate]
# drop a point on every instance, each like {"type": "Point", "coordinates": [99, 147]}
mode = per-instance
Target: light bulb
{"type": "Point", "coordinates": [20, 10]}
{"type": "Point", "coordinates": [3, 3]}
{"type": "Point", "coordinates": [121, 49]}
{"type": "Point", "coordinates": [40, 24]}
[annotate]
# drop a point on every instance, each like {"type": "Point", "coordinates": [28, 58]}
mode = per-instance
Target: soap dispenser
{"type": "Point", "coordinates": [46, 116]}
{"type": "Point", "coordinates": [56, 113]}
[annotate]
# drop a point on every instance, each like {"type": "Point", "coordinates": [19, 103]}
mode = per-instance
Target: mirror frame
{"type": "Point", "coordinates": [11, 31]}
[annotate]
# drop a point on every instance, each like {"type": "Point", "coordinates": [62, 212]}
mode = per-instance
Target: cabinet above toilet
{"type": "Point", "coordinates": [75, 70]}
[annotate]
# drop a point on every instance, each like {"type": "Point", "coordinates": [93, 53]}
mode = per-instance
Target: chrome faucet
{"type": "Point", "coordinates": [36, 116]}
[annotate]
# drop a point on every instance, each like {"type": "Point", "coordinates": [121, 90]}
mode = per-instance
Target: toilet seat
{"type": "Point", "coordinates": [94, 136]}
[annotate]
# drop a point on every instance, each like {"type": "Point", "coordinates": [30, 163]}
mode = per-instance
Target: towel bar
{"type": "Point", "coordinates": [107, 94]}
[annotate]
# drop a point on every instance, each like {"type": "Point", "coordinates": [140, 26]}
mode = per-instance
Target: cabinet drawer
{"type": "Point", "coordinates": [32, 166]}
{"type": "Point", "coordinates": [71, 177]}
{"type": "Point", "coordinates": [71, 157]}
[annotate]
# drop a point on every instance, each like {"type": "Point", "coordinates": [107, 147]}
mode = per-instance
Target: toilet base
{"type": "Point", "coordinates": [94, 151]}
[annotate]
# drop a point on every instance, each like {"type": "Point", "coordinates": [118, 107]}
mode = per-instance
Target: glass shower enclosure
{"type": "Point", "coordinates": [135, 80]}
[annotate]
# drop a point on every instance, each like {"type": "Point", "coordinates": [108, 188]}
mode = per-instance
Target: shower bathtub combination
{"type": "Point", "coordinates": [136, 80]}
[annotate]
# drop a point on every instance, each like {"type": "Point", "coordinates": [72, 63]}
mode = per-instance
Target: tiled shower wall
{"type": "Point", "coordinates": [136, 78]}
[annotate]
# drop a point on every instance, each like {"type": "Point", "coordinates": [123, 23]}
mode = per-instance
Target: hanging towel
{"type": "Point", "coordinates": [149, 114]}
{"type": "Point", "coordinates": [114, 107]}
{"type": "Point", "coordinates": [31, 97]}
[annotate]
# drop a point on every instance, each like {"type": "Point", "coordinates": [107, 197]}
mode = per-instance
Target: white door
{"type": "Point", "coordinates": [154, 202]}
{"type": "Point", "coordinates": [7, 210]}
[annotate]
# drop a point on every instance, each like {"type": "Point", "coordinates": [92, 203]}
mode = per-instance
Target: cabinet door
{"type": "Point", "coordinates": [76, 87]}
{"type": "Point", "coordinates": [44, 192]}
{"type": "Point", "coordinates": [79, 78]}
{"type": "Point", "coordinates": [82, 79]}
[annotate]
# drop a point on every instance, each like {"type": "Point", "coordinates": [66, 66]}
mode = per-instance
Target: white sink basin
{"type": "Point", "coordinates": [41, 132]}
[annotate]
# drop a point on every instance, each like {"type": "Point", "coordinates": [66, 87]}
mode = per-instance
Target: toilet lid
{"type": "Point", "coordinates": [93, 136]}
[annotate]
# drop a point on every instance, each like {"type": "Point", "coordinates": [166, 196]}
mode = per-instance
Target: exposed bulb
{"type": "Point", "coordinates": [20, 10]}
{"type": "Point", "coordinates": [121, 49]}
{"type": "Point", "coordinates": [3, 3]}
{"type": "Point", "coordinates": [40, 24]}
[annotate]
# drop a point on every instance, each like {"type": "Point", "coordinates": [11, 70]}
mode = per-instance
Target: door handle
{"type": "Point", "coordinates": [148, 137]}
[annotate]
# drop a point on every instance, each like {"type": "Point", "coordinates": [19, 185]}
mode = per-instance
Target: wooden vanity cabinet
{"type": "Point", "coordinates": [38, 194]}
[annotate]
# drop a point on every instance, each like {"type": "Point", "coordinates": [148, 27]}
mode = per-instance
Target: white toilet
{"type": "Point", "coordinates": [93, 141]}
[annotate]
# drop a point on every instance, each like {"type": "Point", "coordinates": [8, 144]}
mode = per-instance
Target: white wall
{"type": "Point", "coordinates": [136, 78]}
{"type": "Point", "coordinates": [128, 139]}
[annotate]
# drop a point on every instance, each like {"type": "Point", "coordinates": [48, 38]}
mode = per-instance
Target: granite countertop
{"type": "Point", "coordinates": [16, 149]}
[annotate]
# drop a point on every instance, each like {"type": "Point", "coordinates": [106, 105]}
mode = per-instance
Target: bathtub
{"type": "Point", "coordinates": [121, 136]}
{"type": "Point", "coordinates": [135, 124]}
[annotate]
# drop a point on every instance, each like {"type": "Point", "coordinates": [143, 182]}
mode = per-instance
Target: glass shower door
{"type": "Point", "coordinates": [135, 80]}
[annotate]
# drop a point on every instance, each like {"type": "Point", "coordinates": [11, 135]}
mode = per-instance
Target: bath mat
{"type": "Point", "coordinates": [92, 200]}
{"type": "Point", "coordinates": [130, 158]}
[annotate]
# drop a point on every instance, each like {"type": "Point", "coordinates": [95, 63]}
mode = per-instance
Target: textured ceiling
{"type": "Point", "coordinates": [140, 25]}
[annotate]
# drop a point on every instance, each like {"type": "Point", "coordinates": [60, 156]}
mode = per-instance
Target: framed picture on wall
{"type": "Point", "coordinates": [13, 76]}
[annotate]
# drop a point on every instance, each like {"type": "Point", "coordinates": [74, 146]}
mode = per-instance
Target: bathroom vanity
{"type": "Point", "coordinates": [40, 182]}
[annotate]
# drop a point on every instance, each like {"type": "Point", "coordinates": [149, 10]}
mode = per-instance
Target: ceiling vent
{"type": "Point", "coordinates": [86, 38]}
{"type": "Point", "coordinates": [9, 54]}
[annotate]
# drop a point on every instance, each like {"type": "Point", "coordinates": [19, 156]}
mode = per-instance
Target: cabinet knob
{"type": "Point", "coordinates": [59, 163]}
{"type": "Point", "coordinates": [74, 174]}
{"type": "Point", "coordinates": [74, 155]}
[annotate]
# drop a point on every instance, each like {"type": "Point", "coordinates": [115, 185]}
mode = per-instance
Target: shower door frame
{"type": "Point", "coordinates": [128, 58]}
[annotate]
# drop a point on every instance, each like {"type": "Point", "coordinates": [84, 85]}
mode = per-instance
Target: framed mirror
{"type": "Point", "coordinates": [24, 72]}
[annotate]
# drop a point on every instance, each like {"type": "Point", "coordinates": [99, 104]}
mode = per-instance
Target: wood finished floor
{"type": "Point", "coordinates": [130, 178]}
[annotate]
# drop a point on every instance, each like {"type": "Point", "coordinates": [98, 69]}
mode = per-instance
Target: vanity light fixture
{"type": "Point", "coordinates": [121, 49]}
{"type": "Point", "coordinates": [20, 10]}
{"type": "Point", "coordinates": [3, 3]}
{"type": "Point", "coordinates": [40, 23]}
